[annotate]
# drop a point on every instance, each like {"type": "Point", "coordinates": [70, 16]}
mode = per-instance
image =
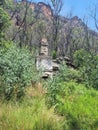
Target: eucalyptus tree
{"type": "Point", "coordinates": [22, 17]}
{"type": "Point", "coordinates": [56, 8]}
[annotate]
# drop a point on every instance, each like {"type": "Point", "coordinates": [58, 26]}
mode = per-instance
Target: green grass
{"type": "Point", "coordinates": [79, 105]}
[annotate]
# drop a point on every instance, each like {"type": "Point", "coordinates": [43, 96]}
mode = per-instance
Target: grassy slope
{"type": "Point", "coordinates": [78, 107]}
{"type": "Point", "coordinates": [31, 114]}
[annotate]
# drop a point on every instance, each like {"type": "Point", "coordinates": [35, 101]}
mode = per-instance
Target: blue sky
{"type": "Point", "coordinates": [80, 8]}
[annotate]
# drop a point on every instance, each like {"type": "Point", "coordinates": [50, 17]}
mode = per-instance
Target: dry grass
{"type": "Point", "coordinates": [30, 114]}
{"type": "Point", "coordinates": [36, 90]}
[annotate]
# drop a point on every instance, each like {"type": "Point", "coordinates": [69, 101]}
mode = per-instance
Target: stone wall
{"type": "Point", "coordinates": [44, 63]}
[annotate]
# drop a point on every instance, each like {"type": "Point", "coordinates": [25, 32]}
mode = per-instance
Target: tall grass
{"type": "Point", "coordinates": [79, 105]}
{"type": "Point", "coordinates": [30, 114]}
{"type": "Point", "coordinates": [76, 109]}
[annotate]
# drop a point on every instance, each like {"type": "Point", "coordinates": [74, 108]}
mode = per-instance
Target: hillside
{"type": "Point", "coordinates": [35, 42]}
{"type": "Point", "coordinates": [72, 33]}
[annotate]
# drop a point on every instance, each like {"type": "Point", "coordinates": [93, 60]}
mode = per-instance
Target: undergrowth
{"type": "Point", "coordinates": [76, 108]}
{"type": "Point", "coordinates": [29, 114]}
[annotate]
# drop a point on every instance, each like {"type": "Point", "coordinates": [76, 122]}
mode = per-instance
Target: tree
{"type": "Point", "coordinates": [94, 16]}
{"type": "Point", "coordinates": [2, 3]}
{"type": "Point", "coordinates": [16, 71]}
{"type": "Point", "coordinates": [22, 17]}
{"type": "Point", "coordinates": [56, 6]}
{"type": "Point", "coordinates": [4, 22]}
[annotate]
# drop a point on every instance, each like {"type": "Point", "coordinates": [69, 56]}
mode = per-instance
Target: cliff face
{"type": "Point", "coordinates": [42, 8]}
{"type": "Point", "coordinates": [45, 9]}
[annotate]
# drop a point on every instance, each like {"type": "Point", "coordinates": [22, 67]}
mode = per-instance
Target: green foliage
{"type": "Point", "coordinates": [74, 75]}
{"type": "Point", "coordinates": [2, 2]}
{"type": "Point", "coordinates": [54, 54]}
{"type": "Point", "coordinates": [87, 62]}
{"type": "Point", "coordinates": [76, 109]}
{"type": "Point", "coordinates": [63, 72]}
{"type": "Point", "coordinates": [52, 90]}
{"type": "Point", "coordinates": [90, 71]}
{"type": "Point", "coordinates": [16, 71]}
{"type": "Point", "coordinates": [21, 29]}
{"type": "Point", "coordinates": [80, 58]}
{"type": "Point", "coordinates": [53, 87]}
{"type": "Point", "coordinates": [4, 21]}
{"type": "Point", "coordinates": [79, 106]}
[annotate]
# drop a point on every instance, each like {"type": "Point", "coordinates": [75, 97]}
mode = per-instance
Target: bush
{"type": "Point", "coordinates": [75, 103]}
{"type": "Point", "coordinates": [54, 54]}
{"type": "Point", "coordinates": [53, 87]}
{"type": "Point", "coordinates": [80, 58]}
{"type": "Point", "coordinates": [90, 71]}
{"type": "Point", "coordinates": [87, 63]}
{"type": "Point", "coordinates": [4, 21]}
{"type": "Point", "coordinates": [79, 106]}
{"type": "Point", "coordinates": [74, 75]}
{"type": "Point", "coordinates": [16, 71]}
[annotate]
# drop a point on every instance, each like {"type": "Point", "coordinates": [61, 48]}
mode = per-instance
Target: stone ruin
{"type": "Point", "coordinates": [44, 61]}
{"type": "Point", "coordinates": [44, 47]}
{"type": "Point", "coordinates": [46, 64]}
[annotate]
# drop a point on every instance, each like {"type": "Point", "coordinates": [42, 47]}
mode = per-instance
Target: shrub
{"type": "Point", "coordinates": [52, 85]}
{"type": "Point", "coordinates": [87, 63]}
{"type": "Point", "coordinates": [90, 71]}
{"type": "Point", "coordinates": [80, 58]}
{"type": "Point", "coordinates": [74, 75]}
{"type": "Point", "coordinates": [4, 21]}
{"type": "Point", "coordinates": [54, 54]}
{"type": "Point", "coordinates": [16, 71]}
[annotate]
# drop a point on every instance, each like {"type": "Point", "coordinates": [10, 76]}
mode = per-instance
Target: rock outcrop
{"type": "Point", "coordinates": [42, 8]}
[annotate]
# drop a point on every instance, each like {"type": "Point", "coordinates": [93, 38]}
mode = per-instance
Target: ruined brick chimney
{"type": "Point", "coordinates": [44, 47]}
